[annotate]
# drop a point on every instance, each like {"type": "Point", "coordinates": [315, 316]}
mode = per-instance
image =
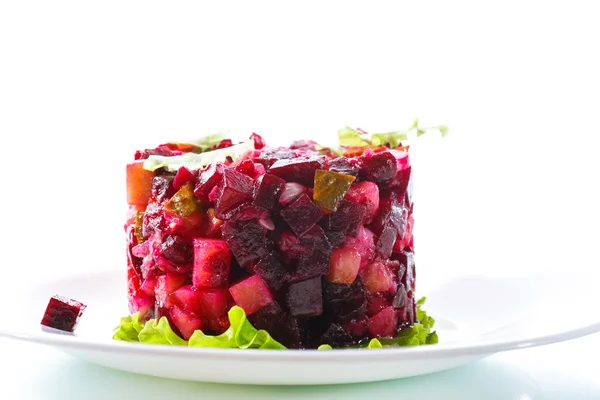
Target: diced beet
{"type": "Point", "coordinates": [212, 261]}
{"type": "Point", "coordinates": [301, 170]}
{"type": "Point", "coordinates": [357, 328]}
{"type": "Point", "coordinates": [177, 250]}
{"type": "Point", "coordinates": [377, 277]}
{"type": "Point", "coordinates": [345, 262]}
{"type": "Point", "coordinates": [392, 211]}
{"type": "Point", "coordinates": [214, 302]}
{"type": "Point", "coordinates": [406, 240]}
{"type": "Point", "coordinates": [153, 220]}
{"type": "Point", "coordinates": [246, 240]}
{"type": "Point", "coordinates": [260, 170]}
{"type": "Point", "coordinates": [141, 304]}
{"type": "Point", "coordinates": [315, 254]}
{"type": "Point", "coordinates": [183, 177]}
{"type": "Point", "coordinates": [377, 302]}
{"type": "Point", "coordinates": [347, 219]}
{"type": "Point", "coordinates": [63, 314]}
{"type": "Point", "coordinates": [185, 321]}
{"type": "Point", "coordinates": [384, 324]}
{"type": "Point", "coordinates": [141, 250]}
{"type": "Point", "coordinates": [364, 243]}
{"type": "Point", "coordinates": [367, 194]}
{"type": "Point", "coordinates": [251, 294]}
{"type": "Point", "coordinates": [343, 302]}
{"type": "Point", "coordinates": [309, 145]}
{"type": "Point", "coordinates": [282, 327]}
{"type": "Point", "coordinates": [173, 250]}
{"type": "Point", "coordinates": [246, 167]}
{"type": "Point", "coordinates": [268, 157]}
{"type": "Point", "coordinates": [380, 167]}
{"type": "Point", "coordinates": [385, 242]}
{"type": "Point", "coordinates": [336, 336]}
{"type": "Point", "coordinates": [148, 286]}
{"type": "Point", "coordinates": [335, 238]}
{"type": "Point", "coordinates": [165, 285]}
{"type": "Point", "coordinates": [267, 318]}
{"type": "Point", "coordinates": [162, 187]}
{"type": "Point", "coordinates": [301, 215]}
{"type": "Point", "coordinates": [406, 259]}
{"type": "Point", "coordinates": [217, 326]}
{"type": "Point", "coordinates": [139, 184]}
{"type": "Point", "coordinates": [344, 165]}
{"type": "Point", "coordinates": [213, 194]}
{"type": "Point", "coordinates": [247, 212]}
{"type": "Point", "coordinates": [290, 192]}
{"type": "Point", "coordinates": [402, 182]}
{"type": "Point", "coordinates": [223, 144]}
{"type": "Point", "coordinates": [290, 246]}
{"type": "Point", "coordinates": [266, 190]}
{"type": "Point", "coordinates": [272, 271]}
{"type": "Point", "coordinates": [235, 189]}
{"type": "Point", "coordinates": [188, 298]}
{"type": "Point", "coordinates": [212, 227]}
{"type": "Point", "coordinates": [305, 298]}
{"type": "Point", "coordinates": [259, 142]}
{"type": "Point", "coordinates": [401, 298]}
{"type": "Point", "coordinates": [207, 180]}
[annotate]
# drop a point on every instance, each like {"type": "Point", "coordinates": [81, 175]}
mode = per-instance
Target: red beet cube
{"type": "Point", "coordinates": [379, 168]}
{"type": "Point", "coordinates": [234, 190]}
{"type": "Point", "coordinates": [185, 321]}
{"type": "Point", "coordinates": [212, 261]}
{"type": "Point", "coordinates": [305, 298]}
{"type": "Point", "coordinates": [301, 170]}
{"type": "Point", "coordinates": [183, 177]}
{"type": "Point", "coordinates": [251, 294]}
{"type": "Point", "coordinates": [246, 240]}
{"type": "Point", "coordinates": [384, 323]}
{"type": "Point", "coordinates": [266, 190]}
{"type": "Point", "coordinates": [207, 180]}
{"type": "Point", "coordinates": [63, 314]}
{"type": "Point", "coordinates": [302, 214]}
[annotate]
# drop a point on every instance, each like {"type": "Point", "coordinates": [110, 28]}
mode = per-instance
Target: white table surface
{"type": "Point", "coordinates": [568, 370]}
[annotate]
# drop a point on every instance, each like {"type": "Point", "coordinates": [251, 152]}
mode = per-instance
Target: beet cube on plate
{"type": "Point", "coordinates": [63, 313]}
{"type": "Point", "coordinates": [315, 247]}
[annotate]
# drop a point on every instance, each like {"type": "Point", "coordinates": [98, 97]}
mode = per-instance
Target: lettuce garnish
{"type": "Point", "coordinates": [349, 137]}
{"type": "Point", "coordinates": [195, 161]}
{"type": "Point", "coordinates": [242, 335]}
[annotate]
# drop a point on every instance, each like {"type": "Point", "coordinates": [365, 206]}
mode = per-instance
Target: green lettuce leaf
{"type": "Point", "coordinates": [160, 332]}
{"type": "Point", "coordinates": [418, 334]}
{"type": "Point", "coordinates": [129, 328]}
{"type": "Point", "coordinates": [349, 137]}
{"type": "Point", "coordinates": [194, 161]}
{"type": "Point", "coordinates": [241, 334]}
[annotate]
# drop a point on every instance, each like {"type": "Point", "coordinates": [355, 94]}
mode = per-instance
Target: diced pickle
{"type": "Point", "coordinates": [139, 225]}
{"type": "Point", "coordinates": [330, 189]}
{"type": "Point", "coordinates": [183, 203]}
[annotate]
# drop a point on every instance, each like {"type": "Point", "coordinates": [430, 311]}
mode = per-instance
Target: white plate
{"type": "Point", "coordinates": [475, 316]}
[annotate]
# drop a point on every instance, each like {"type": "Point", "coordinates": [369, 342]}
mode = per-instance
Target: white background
{"type": "Point", "coordinates": [513, 189]}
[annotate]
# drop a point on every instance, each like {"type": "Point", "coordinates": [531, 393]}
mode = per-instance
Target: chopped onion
{"type": "Point", "coordinates": [290, 192]}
